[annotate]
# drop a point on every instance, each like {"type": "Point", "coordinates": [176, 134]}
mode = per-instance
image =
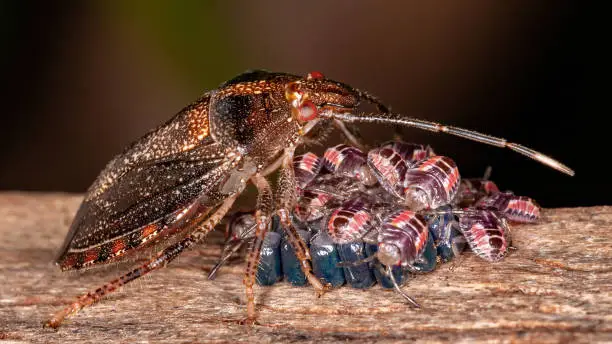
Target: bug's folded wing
{"type": "Point", "coordinates": [144, 201]}
{"type": "Point", "coordinates": [143, 189]}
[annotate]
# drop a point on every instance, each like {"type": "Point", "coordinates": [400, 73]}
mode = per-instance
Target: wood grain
{"type": "Point", "coordinates": [556, 287]}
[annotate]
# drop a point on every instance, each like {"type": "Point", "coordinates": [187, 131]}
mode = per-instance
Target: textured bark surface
{"type": "Point", "coordinates": [556, 287]}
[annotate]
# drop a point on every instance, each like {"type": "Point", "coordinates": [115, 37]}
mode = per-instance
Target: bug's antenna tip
{"type": "Point", "coordinates": [554, 164]}
{"type": "Point", "coordinates": [399, 290]}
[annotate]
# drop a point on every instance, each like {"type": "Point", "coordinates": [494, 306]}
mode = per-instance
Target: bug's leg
{"type": "Point", "coordinates": [228, 252]}
{"type": "Point", "coordinates": [163, 258]}
{"type": "Point", "coordinates": [230, 248]}
{"type": "Point", "coordinates": [286, 199]}
{"type": "Point", "coordinates": [351, 134]}
{"type": "Point", "coordinates": [317, 136]}
{"type": "Point", "coordinates": [262, 216]}
{"type": "Point", "coordinates": [273, 167]}
{"type": "Point", "coordinates": [394, 119]}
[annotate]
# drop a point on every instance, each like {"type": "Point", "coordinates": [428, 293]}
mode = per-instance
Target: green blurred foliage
{"type": "Point", "coordinates": [192, 34]}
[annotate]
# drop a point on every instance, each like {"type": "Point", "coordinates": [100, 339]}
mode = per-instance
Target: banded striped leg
{"type": "Point", "coordinates": [394, 119]}
{"type": "Point", "coordinates": [262, 215]}
{"type": "Point", "coordinates": [163, 258]}
{"type": "Point", "coordinates": [286, 200]}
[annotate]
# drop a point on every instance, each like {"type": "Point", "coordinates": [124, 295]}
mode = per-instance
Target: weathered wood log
{"type": "Point", "coordinates": [556, 287]}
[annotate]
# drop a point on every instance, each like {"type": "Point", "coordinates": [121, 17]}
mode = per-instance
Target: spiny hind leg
{"type": "Point", "coordinates": [262, 215]}
{"type": "Point", "coordinates": [286, 199]}
{"type": "Point", "coordinates": [236, 236]}
{"type": "Point", "coordinates": [164, 257]}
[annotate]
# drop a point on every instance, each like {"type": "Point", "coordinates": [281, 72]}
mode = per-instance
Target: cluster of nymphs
{"type": "Point", "coordinates": [383, 215]}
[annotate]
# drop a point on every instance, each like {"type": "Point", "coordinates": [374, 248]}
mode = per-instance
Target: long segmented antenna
{"type": "Point", "coordinates": [397, 129]}
{"type": "Point", "coordinates": [373, 100]}
{"type": "Point", "coordinates": [394, 119]}
{"type": "Point", "coordinates": [399, 290]}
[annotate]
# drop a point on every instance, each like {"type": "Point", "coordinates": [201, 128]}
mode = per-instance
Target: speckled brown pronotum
{"type": "Point", "coordinates": [173, 185]}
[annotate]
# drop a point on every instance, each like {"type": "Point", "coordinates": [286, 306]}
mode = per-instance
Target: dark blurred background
{"type": "Point", "coordinates": [83, 79]}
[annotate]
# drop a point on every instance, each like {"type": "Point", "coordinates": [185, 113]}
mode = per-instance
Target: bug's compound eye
{"type": "Point", "coordinates": [389, 254]}
{"type": "Point", "coordinates": [307, 112]}
{"type": "Point", "coordinates": [315, 75]}
{"type": "Point", "coordinates": [303, 109]}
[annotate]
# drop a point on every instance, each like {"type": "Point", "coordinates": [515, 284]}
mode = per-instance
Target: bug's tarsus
{"type": "Point", "coordinates": [395, 119]}
{"type": "Point", "coordinates": [302, 253]}
{"type": "Point", "coordinates": [410, 300]}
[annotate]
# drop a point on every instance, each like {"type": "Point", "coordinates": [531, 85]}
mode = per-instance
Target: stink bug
{"type": "Point", "coordinates": [177, 182]}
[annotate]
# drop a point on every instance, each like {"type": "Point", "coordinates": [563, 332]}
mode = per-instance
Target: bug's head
{"type": "Point", "coordinates": [315, 94]}
{"type": "Point", "coordinates": [389, 254]}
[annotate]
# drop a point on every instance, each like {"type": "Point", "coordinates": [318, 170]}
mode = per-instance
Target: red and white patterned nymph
{"type": "Point", "coordinates": [432, 183]}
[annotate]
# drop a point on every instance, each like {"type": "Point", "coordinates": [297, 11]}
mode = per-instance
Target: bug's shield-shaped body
{"type": "Point", "coordinates": [173, 174]}
{"type": "Point", "coordinates": [516, 208]}
{"type": "Point", "coordinates": [179, 172]}
{"type": "Point", "coordinates": [431, 183]}
{"type": "Point", "coordinates": [348, 161]}
{"type": "Point", "coordinates": [349, 222]}
{"type": "Point", "coordinates": [402, 238]}
{"type": "Point", "coordinates": [487, 233]}
{"type": "Point", "coordinates": [184, 176]}
{"type": "Point", "coordinates": [390, 162]}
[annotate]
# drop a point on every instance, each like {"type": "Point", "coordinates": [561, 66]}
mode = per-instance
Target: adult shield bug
{"type": "Point", "coordinates": [177, 182]}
